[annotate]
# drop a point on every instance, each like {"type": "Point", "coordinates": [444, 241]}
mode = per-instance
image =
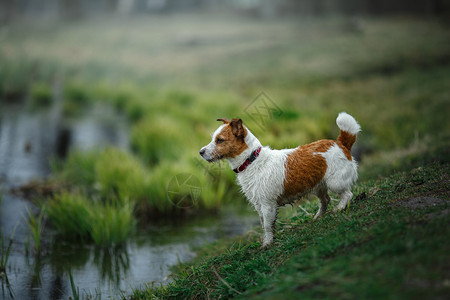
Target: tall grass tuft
{"type": "Point", "coordinates": [119, 174]}
{"type": "Point", "coordinates": [69, 214]}
{"type": "Point", "coordinates": [106, 222]}
{"type": "Point", "coordinates": [156, 140]}
{"type": "Point", "coordinates": [78, 168]}
{"type": "Point", "coordinates": [14, 77]}
{"type": "Point", "coordinates": [77, 95]}
{"type": "Point", "coordinates": [36, 226]}
{"type": "Point", "coordinates": [41, 95]}
{"type": "Point", "coordinates": [111, 224]}
{"type": "Point", "coordinates": [77, 92]}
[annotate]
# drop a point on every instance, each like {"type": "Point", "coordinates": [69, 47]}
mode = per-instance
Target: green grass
{"type": "Point", "coordinates": [75, 290]}
{"type": "Point", "coordinates": [115, 174]}
{"type": "Point", "coordinates": [35, 225]}
{"type": "Point", "coordinates": [107, 223]}
{"type": "Point", "coordinates": [161, 149]}
{"type": "Point", "coordinates": [394, 72]}
{"type": "Point", "coordinates": [69, 214]}
{"type": "Point", "coordinates": [378, 249]}
{"type": "Point", "coordinates": [109, 191]}
{"type": "Point", "coordinates": [111, 224]}
{"type": "Point", "coordinates": [120, 174]}
{"type": "Point", "coordinates": [41, 95]}
{"type": "Point", "coordinates": [14, 79]}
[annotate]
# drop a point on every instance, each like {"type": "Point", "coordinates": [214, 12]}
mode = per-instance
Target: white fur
{"type": "Point", "coordinates": [262, 182]}
{"type": "Point", "coordinates": [252, 144]}
{"type": "Point", "coordinates": [347, 123]}
{"type": "Point", "coordinates": [341, 173]}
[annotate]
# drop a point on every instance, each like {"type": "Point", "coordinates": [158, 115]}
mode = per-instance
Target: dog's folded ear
{"type": "Point", "coordinates": [224, 120]}
{"type": "Point", "coordinates": [237, 128]}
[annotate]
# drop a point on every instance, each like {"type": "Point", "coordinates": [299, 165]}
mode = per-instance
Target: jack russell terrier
{"type": "Point", "coordinates": [272, 178]}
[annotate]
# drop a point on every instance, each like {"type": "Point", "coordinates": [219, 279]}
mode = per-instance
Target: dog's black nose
{"type": "Point", "coordinates": [202, 151]}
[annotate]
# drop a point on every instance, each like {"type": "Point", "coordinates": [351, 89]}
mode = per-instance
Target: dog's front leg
{"type": "Point", "coordinates": [260, 214]}
{"type": "Point", "coordinates": [269, 212]}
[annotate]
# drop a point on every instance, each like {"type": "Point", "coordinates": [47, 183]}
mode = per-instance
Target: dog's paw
{"type": "Point", "coordinates": [266, 244]}
{"type": "Point", "coordinates": [338, 209]}
{"type": "Point", "coordinates": [318, 215]}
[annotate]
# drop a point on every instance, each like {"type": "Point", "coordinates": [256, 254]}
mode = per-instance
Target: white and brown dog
{"type": "Point", "coordinates": [272, 178]}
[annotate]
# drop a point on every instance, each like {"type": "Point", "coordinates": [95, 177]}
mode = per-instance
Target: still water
{"type": "Point", "coordinates": [28, 139]}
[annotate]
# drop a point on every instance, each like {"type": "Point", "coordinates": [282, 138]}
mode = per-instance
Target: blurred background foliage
{"type": "Point", "coordinates": [173, 67]}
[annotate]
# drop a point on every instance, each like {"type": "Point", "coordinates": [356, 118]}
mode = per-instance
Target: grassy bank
{"type": "Point", "coordinates": [392, 243]}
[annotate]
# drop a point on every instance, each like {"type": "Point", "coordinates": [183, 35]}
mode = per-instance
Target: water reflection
{"type": "Point", "coordinates": [7, 290]}
{"type": "Point", "coordinates": [28, 139]}
{"type": "Point", "coordinates": [114, 264]}
{"type": "Point", "coordinates": [100, 127]}
{"type": "Point", "coordinates": [147, 258]}
{"type": "Point", "coordinates": [26, 142]}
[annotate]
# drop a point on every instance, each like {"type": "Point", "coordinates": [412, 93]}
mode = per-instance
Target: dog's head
{"type": "Point", "coordinates": [228, 141]}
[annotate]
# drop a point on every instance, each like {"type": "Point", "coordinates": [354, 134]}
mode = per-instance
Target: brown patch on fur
{"type": "Point", "coordinates": [304, 169]}
{"type": "Point", "coordinates": [347, 139]}
{"type": "Point", "coordinates": [237, 128]}
{"type": "Point", "coordinates": [230, 142]}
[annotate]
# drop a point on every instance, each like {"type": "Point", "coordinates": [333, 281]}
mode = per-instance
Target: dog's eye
{"type": "Point", "coordinates": [219, 140]}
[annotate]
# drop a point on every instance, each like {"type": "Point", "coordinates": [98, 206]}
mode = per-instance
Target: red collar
{"type": "Point", "coordinates": [248, 161]}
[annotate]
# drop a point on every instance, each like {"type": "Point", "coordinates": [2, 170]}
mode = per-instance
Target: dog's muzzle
{"type": "Point", "coordinates": [208, 158]}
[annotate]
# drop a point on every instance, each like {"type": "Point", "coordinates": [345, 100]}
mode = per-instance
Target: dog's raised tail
{"type": "Point", "coordinates": [349, 129]}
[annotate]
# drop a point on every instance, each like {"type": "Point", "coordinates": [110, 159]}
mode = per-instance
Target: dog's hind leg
{"type": "Point", "coordinates": [346, 196]}
{"type": "Point", "coordinates": [324, 199]}
{"type": "Point", "coordinates": [269, 212]}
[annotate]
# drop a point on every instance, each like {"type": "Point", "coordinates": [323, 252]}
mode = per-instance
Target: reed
{"type": "Point", "coordinates": [75, 290]}
{"type": "Point", "coordinates": [36, 226]}
{"type": "Point", "coordinates": [6, 249]}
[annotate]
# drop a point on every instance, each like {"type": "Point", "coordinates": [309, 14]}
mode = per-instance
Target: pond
{"type": "Point", "coordinates": [28, 139]}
